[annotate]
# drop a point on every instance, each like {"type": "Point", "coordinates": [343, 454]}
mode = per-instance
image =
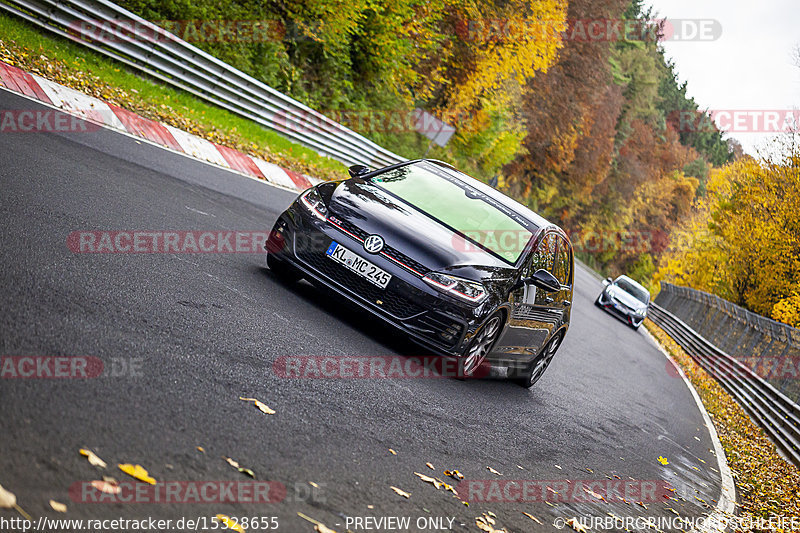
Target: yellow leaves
{"type": "Point", "coordinates": [235, 464]}
{"type": "Point", "coordinates": [400, 492]}
{"type": "Point", "coordinates": [94, 460]}
{"type": "Point", "coordinates": [392, 451]}
{"type": "Point", "coordinates": [58, 506]}
{"type": "Point", "coordinates": [527, 42]}
{"type": "Point", "coordinates": [230, 523]}
{"type": "Point", "coordinates": [663, 460]}
{"type": "Point", "coordinates": [532, 517]}
{"type": "Point", "coordinates": [259, 405]}
{"type": "Point", "coordinates": [486, 522]}
{"type": "Point", "coordinates": [787, 310]}
{"type": "Point", "coordinates": [455, 474]}
{"type": "Point", "coordinates": [138, 472]}
{"type": "Point", "coordinates": [742, 242]}
{"type": "Point", "coordinates": [438, 483]}
{"type": "Point", "coordinates": [429, 465]}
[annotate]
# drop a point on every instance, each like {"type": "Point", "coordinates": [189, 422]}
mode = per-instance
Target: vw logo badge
{"type": "Point", "coordinates": [373, 244]}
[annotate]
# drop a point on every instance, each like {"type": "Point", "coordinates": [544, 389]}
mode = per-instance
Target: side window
{"type": "Point", "coordinates": [542, 257]}
{"type": "Point", "coordinates": [563, 266]}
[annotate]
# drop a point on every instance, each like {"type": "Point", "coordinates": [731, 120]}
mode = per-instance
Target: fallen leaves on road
{"type": "Point", "coordinates": [438, 483]}
{"type": "Point", "coordinates": [230, 523]}
{"type": "Point", "coordinates": [401, 492]}
{"type": "Point", "coordinates": [663, 460]}
{"type": "Point", "coordinates": [392, 451]}
{"type": "Point", "coordinates": [429, 465]}
{"type": "Point", "coordinates": [493, 471]}
{"type": "Point", "coordinates": [58, 506]}
{"type": "Point", "coordinates": [7, 498]}
{"type": "Point", "coordinates": [138, 472]}
{"type": "Point", "coordinates": [201, 449]}
{"type": "Point", "coordinates": [259, 405]}
{"type": "Point", "coordinates": [107, 486]}
{"type": "Point", "coordinates": [94, 460]}
{"type": "Point", "coordinates": [235, 464]}
{"type": "Point", "coordinates": [455, 474]}
{"type": "Point", "coordinates": [486, 522]}
{"type": "Point", "coordinates": [532, 517]}
{"type": "Point", "coordinates": [428, 479]}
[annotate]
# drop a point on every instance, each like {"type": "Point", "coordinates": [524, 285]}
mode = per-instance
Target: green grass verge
{"type": "Point", "coordinates": [70, 64]}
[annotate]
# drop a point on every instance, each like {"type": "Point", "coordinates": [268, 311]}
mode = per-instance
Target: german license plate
{"type": "Point", "coordinates": [359, 265]}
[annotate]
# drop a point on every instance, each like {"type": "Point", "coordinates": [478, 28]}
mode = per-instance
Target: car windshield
{"type": "Point", "coordinates": [637, 292]}
{"type": "Point", "coordinates": [482, 220]}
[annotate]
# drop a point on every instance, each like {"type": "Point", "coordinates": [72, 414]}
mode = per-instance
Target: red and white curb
{"type": "Point", "coordinates": [110, 116]}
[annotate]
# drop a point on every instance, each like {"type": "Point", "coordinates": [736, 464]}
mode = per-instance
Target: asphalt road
{"type": "Point", "coordinates": [191, 333]}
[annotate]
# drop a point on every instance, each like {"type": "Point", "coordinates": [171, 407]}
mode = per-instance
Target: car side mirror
{"type": "Point", "coordinates": [358, 170]}
{"type": "Point", "coordinates": [545, 281]}
{"type": "Point", "coordinates": [607, 282]}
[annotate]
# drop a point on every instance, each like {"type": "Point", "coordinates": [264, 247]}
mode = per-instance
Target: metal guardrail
{"type": "Point", "coordinates": [782, 332]}
{"type": "Point", "coordinates": [178, 63]}
{"type": "Point", "coordinates": [752, 339]}
{"type": "Point", "coordinates": [776, 413]}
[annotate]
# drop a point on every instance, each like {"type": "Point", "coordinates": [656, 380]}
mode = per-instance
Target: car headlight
{"type": "Point", "coordinates": [312, 200]}
{"type": "Point", "coordinates": [464, 289]}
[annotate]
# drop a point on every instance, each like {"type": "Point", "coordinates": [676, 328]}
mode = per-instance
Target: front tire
{"type": "Point", "coordinates": [480, 346]}
{"type": "Point", "coordinates": [534, 372]}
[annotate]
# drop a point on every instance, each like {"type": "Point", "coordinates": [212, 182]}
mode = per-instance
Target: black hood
{"type": "Point", "coordinates": [366, 206]}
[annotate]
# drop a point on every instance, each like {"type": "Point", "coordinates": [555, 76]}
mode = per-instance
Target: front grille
{"type": "Point", "coordinates": [394, 252]}
{"type": "Point", "coordinates": [438, 327]}
{"type": "Point", "coordinates": [392, 302]}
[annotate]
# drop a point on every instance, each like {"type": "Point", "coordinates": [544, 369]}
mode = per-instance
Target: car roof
{"type": "Point", "coordinates": [511, 204]}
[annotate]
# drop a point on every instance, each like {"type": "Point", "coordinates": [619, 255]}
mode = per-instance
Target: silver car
{"type": "Point", "coordinates": [625, 299]}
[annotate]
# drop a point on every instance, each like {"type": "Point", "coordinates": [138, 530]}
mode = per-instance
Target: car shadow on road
{"type": "Point", "coordinates": [365, 323]}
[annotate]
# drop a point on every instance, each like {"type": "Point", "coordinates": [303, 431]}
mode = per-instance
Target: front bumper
{"type": "Point", "coordinates": [407, 303]}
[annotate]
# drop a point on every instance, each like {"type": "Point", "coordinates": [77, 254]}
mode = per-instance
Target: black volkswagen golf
{"type": "Point", "coordinates": [460, 267]}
